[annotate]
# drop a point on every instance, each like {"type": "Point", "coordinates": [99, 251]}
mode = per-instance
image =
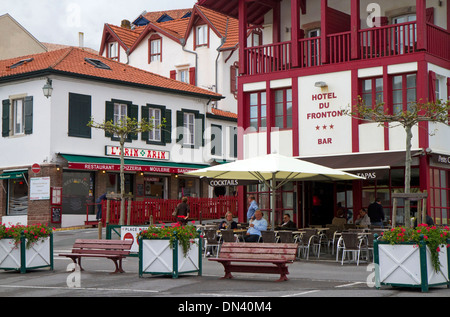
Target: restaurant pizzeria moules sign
{"type": "Point", "coordinates": [142, 154]}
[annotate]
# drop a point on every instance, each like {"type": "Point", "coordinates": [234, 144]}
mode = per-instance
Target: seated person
{"type": "Point", "coordinates": [363, 218]}
{"type": "Point", "coordinates": [255, 227]}
{"type": "Point", "coordinates": [228, 223]}
{"type": "Point", "coordinates": [287, 224]}
{"type": "Point", "coordinates": [339, 220]}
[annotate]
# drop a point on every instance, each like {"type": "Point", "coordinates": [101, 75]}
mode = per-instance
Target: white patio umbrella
{"type": "Point", "coordinates": [271, 169]}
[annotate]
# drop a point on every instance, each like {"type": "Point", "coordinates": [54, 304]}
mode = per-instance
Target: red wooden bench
{"type": "Point", "coordinates": [114, 250]}
{"type": "Point", "coordinates": [277, 254]}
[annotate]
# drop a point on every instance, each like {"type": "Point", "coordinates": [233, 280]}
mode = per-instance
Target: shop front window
{"type": "Point", "coordinates": [155, 187]}
{"type": "Point", "coordinates": [439, 196]}
{"type": "Point", "coordinates": [188, 187]}
{"type": "Point", "coordinates": [18, 197]}
{"type": "Point", "coordinates": [113, 183]}
{"type": "Point", "coordinates": [78, 193]}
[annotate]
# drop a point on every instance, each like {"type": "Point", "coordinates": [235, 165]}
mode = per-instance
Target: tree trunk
{"type": "Point", "coordinates": [408, 163]}
{"type": "Point", "coordinates": [122, 182]}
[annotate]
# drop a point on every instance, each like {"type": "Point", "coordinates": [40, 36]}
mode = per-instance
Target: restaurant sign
{"type": "Point", "coordinates": [128, 168]}
{"type": "Point", "coordinates": [138, 153]}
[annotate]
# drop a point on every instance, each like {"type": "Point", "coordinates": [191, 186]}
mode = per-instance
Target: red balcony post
{"type": "Point", "coordinates": [323, 30]}
{"type": "Point", "coordinates": [243, 37]}
{"type": "Point", "coordinates": [421, 18]}
{"type": "Point", "coordinates": [295, 34]}
{"type": "Point", "coordinates": [355, 27]}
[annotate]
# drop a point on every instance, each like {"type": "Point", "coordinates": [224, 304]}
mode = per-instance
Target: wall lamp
{"type": "Point", "coordinates": [48, 89]}
{"type": "Point", "coordinates": [321, 84]}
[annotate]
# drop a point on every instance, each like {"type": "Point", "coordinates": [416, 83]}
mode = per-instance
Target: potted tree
{"type": "Point", "coordinates": [170, 250]}
{"type": "Point", "coordinates": [25, 248]}
{"type": "Point", "coordinates": [413, 257]}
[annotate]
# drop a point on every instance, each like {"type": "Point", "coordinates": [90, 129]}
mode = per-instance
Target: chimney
{"type": "Point", "coordinates": [126, 24]}
{"type": "Point", "coordinates": [81, 39]}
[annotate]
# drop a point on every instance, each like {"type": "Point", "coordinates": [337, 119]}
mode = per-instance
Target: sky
{"type": "Point", "coordinates": [60, 21]}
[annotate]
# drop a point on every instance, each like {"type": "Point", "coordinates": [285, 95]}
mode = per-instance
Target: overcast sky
{"type": "Point", "coordinates": [60, 21]}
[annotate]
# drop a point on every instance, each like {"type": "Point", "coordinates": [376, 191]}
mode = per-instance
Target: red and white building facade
{"type": "Point", "coordinates": [316, 59]}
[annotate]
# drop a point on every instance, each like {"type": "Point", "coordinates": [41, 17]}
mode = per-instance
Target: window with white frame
{"type": "Point", "coordinates": [120, 114]}
{"type": "Point", "coordinates": [18, 117]}
{"type": "Point", "coordinates": [202, 35]}
{"type": "Point", "coordinates": [154, 116]}
{"type": "Point", "coordinates": [184, 76]}
{"type": "Point", "coordinates": [155, 50]}
{"type": "Point", "coordinates": [189, 128]}
{"type": "Point", "coordinates": [113, 50]}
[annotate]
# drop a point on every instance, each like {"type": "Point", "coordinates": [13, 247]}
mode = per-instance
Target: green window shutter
{"type": "Point", "coordinates": [180, 126]}
{"type": "Point", "coordinates": [167, 130]}
{"type": "Point", "coordinates": [144, 116]}
{"type": "Point", "coordinates": [109, 116]}
{"type": "Point", "coordinates": [79, 115]}
{"type": "Point", "coordinates": [216, 140]}
{"type": "Point", "coordinates": [133, 113]}
{"type": "Point", "coordinates": [28, 109]}
{"type": "Point", "coordinates": [5, 117]}
{"type": "Point", "coordinates": [234, 141]}
{"type": "Point", "coordinates": [199, 129]}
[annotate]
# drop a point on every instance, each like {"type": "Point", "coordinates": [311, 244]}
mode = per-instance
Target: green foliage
{"type": "Point", "coordinates": [186, 235]}
{"type": "Point", "coordinates": [433, 236]}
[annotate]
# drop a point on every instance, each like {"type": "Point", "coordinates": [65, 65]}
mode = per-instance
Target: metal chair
{"type": "Point", "coordinates": [228, 236]}
{"type": "Point", "coordinates": [307, 239]}
{"type": "Point", "coordinates": [268, 237]}
{"type": "Point", "coordinates": [286, 237]}
{"type": "Point", "coordinates": [212, 240]}
{"type": "Point", "coordinates": [352, 244]}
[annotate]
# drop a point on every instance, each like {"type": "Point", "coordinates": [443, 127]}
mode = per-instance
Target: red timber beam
{"type": "Point", "coordinates": [243, 25]}
{"type": "Point", "coordinates": [355, 27]}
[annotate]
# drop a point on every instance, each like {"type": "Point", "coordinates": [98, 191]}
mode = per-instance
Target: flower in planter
{"type": "Point", "coordinates": [186, 235]}
{"type": "Point", "coordinates": [32, 233]}
{"type": "Point", "coordinates": [433, 236]}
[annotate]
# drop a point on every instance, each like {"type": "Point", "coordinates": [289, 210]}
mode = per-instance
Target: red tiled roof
{"type": "Point", "coordinates": [127, 36]}
{"type": "Point", "coordinates": [72, 61]}
{"type": "Point", "coordinates": [174, 14]}
{"type": "Point", "coordinates": [222, 113]}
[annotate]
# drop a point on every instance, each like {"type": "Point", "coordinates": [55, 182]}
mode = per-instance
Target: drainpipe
{"type": "Point", "coordinates": [222, 43]}
{"type": "Point", "coordinates": [183, 46]}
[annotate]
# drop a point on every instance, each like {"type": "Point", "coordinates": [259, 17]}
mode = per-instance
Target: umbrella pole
{"type": "Point", "coordinates": [274, 192]}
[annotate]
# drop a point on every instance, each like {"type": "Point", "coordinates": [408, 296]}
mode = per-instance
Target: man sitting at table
{"type": "Point", "coordinates": [287, 224]}
{"type": "Point", "coordinates": [255, 228]}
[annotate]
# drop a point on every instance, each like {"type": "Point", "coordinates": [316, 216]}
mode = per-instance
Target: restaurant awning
{"type": "Point", "coordinates": [98, 163]}
{"type": "Point", "coordinates": [366, 161]}
{"type": "Point", "coordinates": [13, 175]}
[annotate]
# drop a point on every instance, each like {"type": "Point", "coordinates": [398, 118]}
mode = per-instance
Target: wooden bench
{"type": "Point", "coordinates": [114, 250]}
{"type": "Point", "coordinates": [277, 254]}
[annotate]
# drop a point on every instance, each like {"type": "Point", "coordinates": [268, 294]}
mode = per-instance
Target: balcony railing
{"type": "Point", "coordinates": [385, 41]}
{"type": "Point", "coordinates": [438, 41]}
{"type": "Point", "coordinates": [391, 40]}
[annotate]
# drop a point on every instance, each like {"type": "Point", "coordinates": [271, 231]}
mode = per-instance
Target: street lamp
{"type": "Point", "coordinates": [48, 89]}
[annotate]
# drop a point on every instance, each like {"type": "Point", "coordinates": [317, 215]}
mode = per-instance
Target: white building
{"type": "Point", "coordinates": [53, 133]}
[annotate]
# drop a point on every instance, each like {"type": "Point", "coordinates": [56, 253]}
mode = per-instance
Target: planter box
{"type": "Point", "coordinates": [19, 258]}
{"type": "Point", "coordinates": [409, 265]}
{"type": "Point", "coordinates": [156, 257]}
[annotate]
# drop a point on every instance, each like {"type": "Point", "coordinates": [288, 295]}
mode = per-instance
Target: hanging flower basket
{"type": "Point", "coordinates": [171, 251]}
{"type": "Point", "coordinates": [413, 258]}
{"type": "Point", "coordinates": [25, 248]}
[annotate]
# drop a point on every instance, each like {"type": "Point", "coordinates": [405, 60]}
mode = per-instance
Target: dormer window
{"type": "Point", "coordinates": [201, 34]}
{"type": "Point", "coordinates": [22, 62]}
{"type": "Point", "coordinates": [113, 51]}
{"type": "Point", "coordinates": [97, 63]}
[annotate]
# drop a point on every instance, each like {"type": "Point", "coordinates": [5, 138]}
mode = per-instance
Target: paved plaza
{"type": "Point", "coordinates": [324, 278]}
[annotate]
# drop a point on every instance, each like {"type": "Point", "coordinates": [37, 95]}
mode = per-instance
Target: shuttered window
{"type": "Point", "coordinates": [190, 128]}
{"type": "Point", "coordinates": [17, 116]}
{"type": "Point", "coordinates": [156, 114]}
{"type": "Point", "coordinates": [117, 110]}
{"type": "Point", "coordinates": [79, 115]}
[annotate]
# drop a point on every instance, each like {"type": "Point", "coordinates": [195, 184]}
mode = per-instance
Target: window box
{"type": "Point", "coordinates": [409, 265]}
{"type": "Point", "coordinates": [20, 258]}
{"type": "Point", "coordinates": [157, 257]}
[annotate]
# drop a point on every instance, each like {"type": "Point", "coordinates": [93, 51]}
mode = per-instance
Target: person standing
{"type": "Point", "coordinates": [253, 206]}
{"type": "Point", "coordinates": [183, 212]}
{"type": "Point", "coordinates": [376, 213]}
{"type": "Point", "coordinates": [99, 206]}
